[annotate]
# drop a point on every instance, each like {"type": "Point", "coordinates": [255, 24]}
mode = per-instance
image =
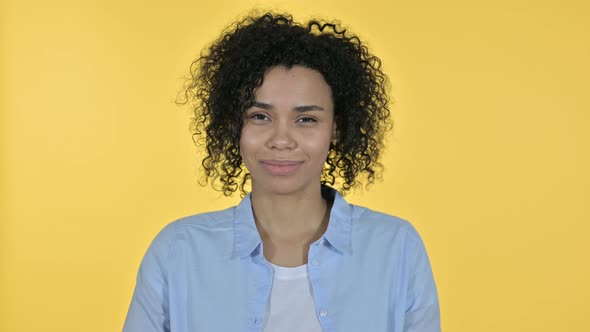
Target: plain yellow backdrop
{"type": "Point", "coordinates": [489, 158]}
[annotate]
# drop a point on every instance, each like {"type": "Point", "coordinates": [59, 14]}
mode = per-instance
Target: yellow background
{"type": "Point", "coordinates": [489, 158]}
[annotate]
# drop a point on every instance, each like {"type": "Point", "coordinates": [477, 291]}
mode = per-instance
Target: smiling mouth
{"type": "Point", "coordinates": [281, 167]}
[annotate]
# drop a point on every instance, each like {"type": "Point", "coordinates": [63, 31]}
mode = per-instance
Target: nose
{"type": "Point", "coordinates": [281, 137]}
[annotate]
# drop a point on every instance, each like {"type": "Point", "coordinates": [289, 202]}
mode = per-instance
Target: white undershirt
{"type": "Point", "coordinates": [291, 305]}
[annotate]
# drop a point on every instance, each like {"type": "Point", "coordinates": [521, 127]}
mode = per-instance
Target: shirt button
{"type": "Point", "coordinates": [323, 313]}
{"type": "Point", "coordinates": [315, 262]}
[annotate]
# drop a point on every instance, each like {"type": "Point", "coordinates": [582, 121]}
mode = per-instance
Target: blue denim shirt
{"type": "Point", "coordinates": [206, 272]}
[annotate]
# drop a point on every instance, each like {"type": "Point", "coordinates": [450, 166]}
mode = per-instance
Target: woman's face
{"type": "Point", "coordinates": [287, 132]}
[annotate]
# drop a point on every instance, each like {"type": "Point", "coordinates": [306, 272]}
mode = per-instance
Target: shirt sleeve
{"type": "Point", "coordinates": [422, 311]}
{"type": "Point", "coordinates": [149, 309]}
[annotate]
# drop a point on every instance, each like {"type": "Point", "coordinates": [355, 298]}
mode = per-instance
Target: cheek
{"type": "Point", "coordinates": [319, 148]}
{"type": "Point", "coordinates": [249, 141]}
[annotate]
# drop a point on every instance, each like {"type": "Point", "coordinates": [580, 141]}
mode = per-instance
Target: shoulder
{"type": "Point", "coordinates": [385, 230]}
{"type": "Point", "coordinates": [207, 221]}
{"type": "Point", "coordinates": [386, 233]}
{"type": "Point", "coordinates": [364, 218]}
{"type": "Point", "coordinates": [192, 228]}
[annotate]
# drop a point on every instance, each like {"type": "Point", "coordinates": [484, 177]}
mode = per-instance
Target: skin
{"type": "Point", "coordinates": [284, 143]}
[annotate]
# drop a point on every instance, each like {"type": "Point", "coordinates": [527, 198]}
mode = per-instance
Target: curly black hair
{"type": "Point", "coordinates": [224, 76]}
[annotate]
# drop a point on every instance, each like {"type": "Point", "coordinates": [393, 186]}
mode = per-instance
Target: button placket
{"type": "Point", "coordinates": [316, 262]}
{"type": "Point", "coordinates": [261, 286]}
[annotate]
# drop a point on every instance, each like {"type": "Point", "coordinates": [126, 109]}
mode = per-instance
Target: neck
{"type": "Point", "coordinates": [298, 217]}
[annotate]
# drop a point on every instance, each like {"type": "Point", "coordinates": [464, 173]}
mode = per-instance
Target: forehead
{"type": "Point", "coordinates": [295, 86]}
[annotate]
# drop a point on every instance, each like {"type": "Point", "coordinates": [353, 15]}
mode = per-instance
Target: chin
{"type": "Point", "coordinates": [280, 186]}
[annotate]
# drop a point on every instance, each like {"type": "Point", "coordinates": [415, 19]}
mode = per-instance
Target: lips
{"type": "Point", "coordinates": [281, 167]}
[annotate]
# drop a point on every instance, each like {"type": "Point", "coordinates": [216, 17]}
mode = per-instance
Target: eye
{"type": "Point", "coordinates": [259, 117]}
{"type": "Point", "coordinates": [307, 119]}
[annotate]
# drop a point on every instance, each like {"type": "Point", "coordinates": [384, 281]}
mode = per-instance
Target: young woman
{"type": "Point", "coordinates": [290, 110]}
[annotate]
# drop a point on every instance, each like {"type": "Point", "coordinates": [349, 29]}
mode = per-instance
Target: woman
{"type": "Point", "coordinates": [300, 106]}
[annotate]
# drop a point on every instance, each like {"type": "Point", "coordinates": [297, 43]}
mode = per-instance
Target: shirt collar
{"type": "Point", "coordinates": [338, 234]}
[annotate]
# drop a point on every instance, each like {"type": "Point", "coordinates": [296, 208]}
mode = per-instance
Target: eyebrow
{"type": "Point", "coordinates": [304, 108]}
